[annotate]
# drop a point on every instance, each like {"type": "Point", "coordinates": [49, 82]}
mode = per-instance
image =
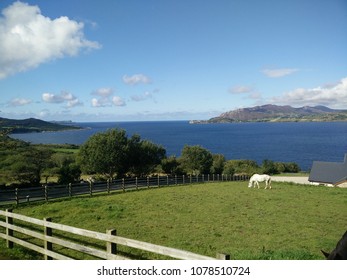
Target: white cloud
{"type": "Point", "coordinates": [19, 102]}
{"type": "Point", "coordinates": [103, 92]}
{"type": "Point", "coordinates": [97, 103]}
{"type": "Point", "coordinates": [70, 99]}
{"type": "Point", "coordinates": [334, 96]}
{"type": "Point", "coordinates": [118, 101]}
{"type": "Point", "coordinates": [136, 79]}
{"type": "Point", "coordinates": [28, 38]}
{"type": "Point", "coordinates": [280, 72]}
{"type": "Point", "coordinates": [247, 92]}
{"type": "Point", "coordinates": [240, 89]}
{"type": "Point", "coordinates": [73, 103]}
{"type": "Point", "coordinates": [145, 96]}
{"type": "Point", "coordinates": [106, 98]}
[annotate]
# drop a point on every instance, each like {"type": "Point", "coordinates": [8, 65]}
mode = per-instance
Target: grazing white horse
{"type": "Point", "coordinates": [256, 178]}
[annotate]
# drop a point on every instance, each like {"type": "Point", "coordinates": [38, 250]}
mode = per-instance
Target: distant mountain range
{"type": "Point", "coordinates": [274, 113]}
{"type": "Point", "coordinates": [31, 125]}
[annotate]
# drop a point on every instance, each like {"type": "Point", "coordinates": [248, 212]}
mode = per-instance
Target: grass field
{"type": "Point", "coordinates": [288, 222]}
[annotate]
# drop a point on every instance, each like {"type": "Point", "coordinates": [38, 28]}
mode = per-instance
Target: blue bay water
{"type": "Point", "coordinates": [298, 142]}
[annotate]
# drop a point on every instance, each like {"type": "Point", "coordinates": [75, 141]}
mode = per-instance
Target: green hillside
{"type": "Point", "coordinates": [31, 125]}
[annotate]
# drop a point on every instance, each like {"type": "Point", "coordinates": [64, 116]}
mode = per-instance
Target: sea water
{"type": "Point", "coordinates": [300, 142]}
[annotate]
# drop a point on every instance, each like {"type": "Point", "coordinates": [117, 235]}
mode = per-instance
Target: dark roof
{"type": "Point", "coordinates": [329, 172]}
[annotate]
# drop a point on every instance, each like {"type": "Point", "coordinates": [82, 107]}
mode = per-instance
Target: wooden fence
{"type": "Point", "coordinates": [48, 192]}
{"type": "Point", "coordinates": [38, 235]}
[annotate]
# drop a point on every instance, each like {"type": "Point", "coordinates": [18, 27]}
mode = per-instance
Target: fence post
{"type": "Point", "coordinates": [222, 256]}
{"type": "Point", "coordinates": [17, 196]}
{"type": "Point", "coordinates": [158, 181]}
{"type": "Point", "coordinates": [147, 181]}
{"type": "Point", "coordinates": [90, 188]}
{"type": "Point", "coordinates": [47, 231]}
{"type": "Point", "coordinates": [70, 190]}
{"type": "Point", "coordinates": [167, 180]}
{"type": "Point", "coordinates": [9, 232]}
{"type": "Point", "coordinates": [108, 185]}
{"type": "Point", "coordinates": [46, 193]}
{"type": "Point", "coordinates": [137, 184]}
{"type": "Point", "coordinates": [183, 179]}
{"type": "Point", "coordinates": [190, 178]}
{"type": "Point", "coordinates": [111, 247]}
{"type": "Point", "coordinates": [123, 184]}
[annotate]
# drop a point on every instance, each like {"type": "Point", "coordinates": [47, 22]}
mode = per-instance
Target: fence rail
{"type": "Point", "coordinates": [19, 234]}
{"type": "Point", "coordinates": [47, 192]}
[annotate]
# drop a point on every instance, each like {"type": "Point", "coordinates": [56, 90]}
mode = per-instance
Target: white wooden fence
{"type": "Point", "coordinates": [18, 234]}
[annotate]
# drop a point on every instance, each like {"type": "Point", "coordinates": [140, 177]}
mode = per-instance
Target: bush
{"type": "Point", "coordinates": [196, 160]}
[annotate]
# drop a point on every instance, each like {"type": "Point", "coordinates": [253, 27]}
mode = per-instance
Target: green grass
{"type": "Point", "coordinates": [288, 222]}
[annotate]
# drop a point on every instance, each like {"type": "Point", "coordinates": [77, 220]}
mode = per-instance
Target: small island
{"type": "Point", "coordinates": [32, 125]}
{"type": "Point", "coordinates": [274, 113]}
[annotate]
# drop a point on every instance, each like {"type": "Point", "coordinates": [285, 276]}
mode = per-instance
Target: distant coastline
{"type": "Point", "coordinates": [12, 126]}
{"type": "Point", "coordinates": [274, 113]}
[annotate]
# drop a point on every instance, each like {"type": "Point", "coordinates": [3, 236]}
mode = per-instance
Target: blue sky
{"type": "Point", "coordinates": [127, 60]}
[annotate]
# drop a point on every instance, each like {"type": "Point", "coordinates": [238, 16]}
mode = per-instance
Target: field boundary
{"type": "Point", "coordinates": [18, 196]}
{"type": "Point", "coordinates": [20, 234]}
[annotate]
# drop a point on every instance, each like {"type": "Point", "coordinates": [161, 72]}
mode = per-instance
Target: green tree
{"type": "Point", "coordinates": [112, 154]}
{"type": "Point", "coordinates": [28, 164]}
{"type": "Point", "coordinates": [171, 166]}
{"type": "Point", "coordinates": [69, 172]}
{"type": "Point", "coordinates": [218, 164]}
{"type": "Point", "coordinates": [292, 167]}
{"type": "Point", "coordinates": [104, 153]}
{"type": "Point", "coordinates": [196, 160]}
{"type": "Point", "coordinates": [280, 167]}
{"type": "Point", "coordinates": [143, 156]}
{"type": "Point", "coordinates": [243, 166]}
{"type": "Point", "coordinates": [269, 167]}
{"type": "Point", "coordinates": [229, 168]}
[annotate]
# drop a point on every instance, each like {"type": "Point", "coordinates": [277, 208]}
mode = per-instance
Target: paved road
{"type": "Point", "coordinates": [294, 179]}
{"type": "Point", "coordinates": [299, 180]}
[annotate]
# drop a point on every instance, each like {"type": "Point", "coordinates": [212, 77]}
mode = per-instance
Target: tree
{"type": "Point", "coordinates": [218, 164]}
{"type": "Point", "coordinates": [171, 166]}
{"type": "Point", "coordinates": [229, 168]}
{"type": "Point", "coordinates": [28, 164]}
{"type": "Point", "coordinates": [243, 166]}
{"type": "Point", "coordinates": [280, 167]}
{"type": "Point", "coordinates": [292, 167]}
{"type": "Point", "coordinates": [196, 160]}
{"type": "Point", "coordinates": [269, 167]}
{"type": "Point", "coordinates": [104, 153]}
{"type": "Point", "coordinates": [112, 154]}
{"type": "Point", "coordinates": [69, 173]}
{"type": "Point", "coordinates": [143, 156]}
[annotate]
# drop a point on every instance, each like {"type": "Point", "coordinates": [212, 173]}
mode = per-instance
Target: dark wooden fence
{"type": "Point", "coordinates": [49, 192]}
